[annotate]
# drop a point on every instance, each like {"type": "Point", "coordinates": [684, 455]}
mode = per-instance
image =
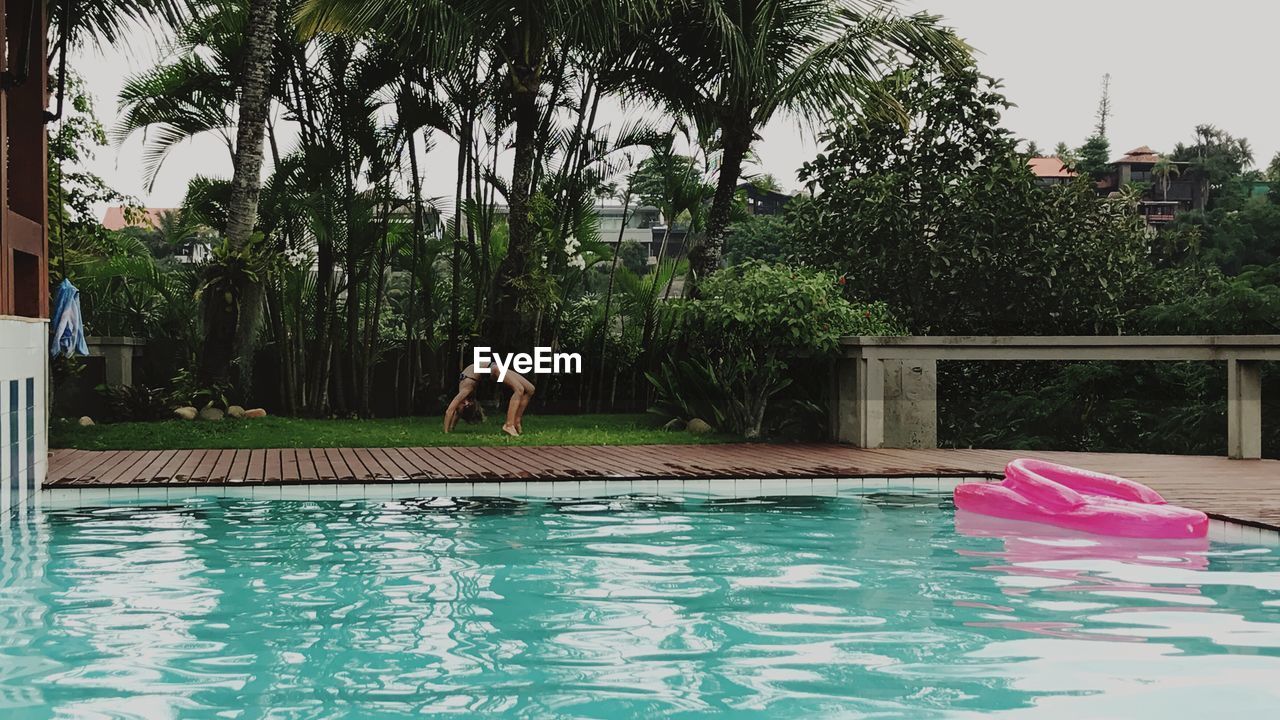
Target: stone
{"type": "Point", "coordinates": [698, 426]}
{"type": "Point", "coordinates": [235, 411]}
{"type": "Point", "coordinates": [212, 414]}
{"type": "Point", "coordinates": [255, 413]}
{"type": "Point", "coordinates": [86, 421]}
{"type": "Point", "coordinates": [185, 413]}
{"type": "Point", "coordinates": [674, 425]}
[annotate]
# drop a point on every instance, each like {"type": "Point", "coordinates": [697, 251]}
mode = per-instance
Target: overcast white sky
{"type": "Point", "coordinates": [1173, 64]}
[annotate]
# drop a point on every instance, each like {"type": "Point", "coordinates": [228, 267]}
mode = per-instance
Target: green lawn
{"type": "Point", "coordinates": [281, 432]}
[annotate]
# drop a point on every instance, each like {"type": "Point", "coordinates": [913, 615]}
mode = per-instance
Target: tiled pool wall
{"type": "Point", "coordinates": [24, 457]}
{"type": "Point", "coordinates": [64, 498]}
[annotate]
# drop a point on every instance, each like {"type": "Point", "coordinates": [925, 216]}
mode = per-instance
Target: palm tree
{"type": "Point", "coordinates": [731, 65]}
{"type": "Point", "coordinates": [1162, 171]}
{"type": "Point", "coordinates": [231, 318]}
{"type": "Point", "coordinates": [193, 93]}
{"type": "Point", "coordinates": [529, 40]}
{"type": "Point", "coordinates": [107, 22]}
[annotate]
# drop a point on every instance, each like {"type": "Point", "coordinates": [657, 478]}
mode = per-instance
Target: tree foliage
{"type": "Point", "coordinates": [941, 218]}
{"type": "Point", "coordinates": [750, 321]}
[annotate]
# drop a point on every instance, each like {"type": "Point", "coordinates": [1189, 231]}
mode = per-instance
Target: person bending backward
{"type": "Point", "coordinates": [464, 404]}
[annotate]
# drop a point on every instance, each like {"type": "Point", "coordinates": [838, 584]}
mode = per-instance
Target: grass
{"type": "Point", "coordinates": [282, 432]}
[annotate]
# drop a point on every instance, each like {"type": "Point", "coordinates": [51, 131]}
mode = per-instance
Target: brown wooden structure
{"type": "Point", "coordinates": [24, 87]}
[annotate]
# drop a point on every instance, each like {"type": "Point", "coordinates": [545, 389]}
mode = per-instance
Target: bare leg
{"type": "Point", "coordinates": [524, 405]}
{"type": "Point", "coordinates": [514, 405]}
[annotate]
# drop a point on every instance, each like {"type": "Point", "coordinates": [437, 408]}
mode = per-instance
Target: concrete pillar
{"type": "Point", "coordinates": [870, 396]}
{"type": "Point", "coordinates": [844, 401]}
{"type": "Point", "coordinates": [1244, 409]}
{"type": "Point", "coordinates": [857, 411]}
{"type": "Point", "coordinates": [911, 404]}
{"type": "Point", "coordinates": [884, 403]}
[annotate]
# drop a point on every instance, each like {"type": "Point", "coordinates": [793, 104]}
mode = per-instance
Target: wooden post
{"type": "Point", "coordinates": [1244, 409]}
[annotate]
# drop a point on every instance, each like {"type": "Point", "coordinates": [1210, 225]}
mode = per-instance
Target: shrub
{"type": "Point", "coordinates": [634, 257]}
{"type": "Point", "coordinates": [749, 322]}
{"type": "Point", "coordinates": [127, 403]}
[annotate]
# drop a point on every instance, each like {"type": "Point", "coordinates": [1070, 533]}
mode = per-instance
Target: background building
{"type": "Point", "coordinates": [1166, 186]}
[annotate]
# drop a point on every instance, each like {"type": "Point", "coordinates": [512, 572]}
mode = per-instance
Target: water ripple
{"type": "Point", "coordinates": [616, 608]}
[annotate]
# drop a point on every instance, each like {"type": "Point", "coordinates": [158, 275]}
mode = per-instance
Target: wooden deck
{"type": "Point", "coordinates": [1246, 491]}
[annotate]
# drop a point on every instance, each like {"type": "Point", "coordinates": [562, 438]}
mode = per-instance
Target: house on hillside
{"type": "Point", "coordinates": [1161, 197]}
{"type": "Point", "coordinates": [193, 247]}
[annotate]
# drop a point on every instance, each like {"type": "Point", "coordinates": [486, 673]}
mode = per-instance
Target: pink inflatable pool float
{"type": "Point", "coordinates": [1081, 500]}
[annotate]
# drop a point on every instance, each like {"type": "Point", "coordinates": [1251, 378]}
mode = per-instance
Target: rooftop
{"type": "Point", "coordinates": [1050, 167]}
{"type": "Point", "coordinates": [119, 217]}
{"type": "Point", "coordinates": [1139, 155]}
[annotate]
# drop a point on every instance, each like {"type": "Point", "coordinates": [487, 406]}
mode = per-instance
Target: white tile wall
{"type": "Point", "coordinates": [24, 447]}
{"type": "Point", "coordinates": [61, 498]}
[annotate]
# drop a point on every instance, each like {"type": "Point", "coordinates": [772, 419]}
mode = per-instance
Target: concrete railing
{"type": "Point", "coordinates": [885, 388]}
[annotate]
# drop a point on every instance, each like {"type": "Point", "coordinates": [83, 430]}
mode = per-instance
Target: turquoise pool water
{"type": "Point", "coordinates": [877, 606]}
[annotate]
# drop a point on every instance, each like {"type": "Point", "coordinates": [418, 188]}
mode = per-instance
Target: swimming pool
{"type": "Point", "coordinates": [866, 604]}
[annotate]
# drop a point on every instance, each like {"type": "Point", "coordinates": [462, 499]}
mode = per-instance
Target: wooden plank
{"type": "Point", "coordinates": [342, 472]}
{"type": "Point", "coordinates": [188, 468]}
{"type": "Point", "coordinates": [65, 463]}
{"type": "Point", "coordinates": [506, 464]}
{"type": "Point", "coordinates": [256, 470]}
{"type": "Point", "coordinates": [213, 468]}
{"type": "Point", "coordinates": [143, 473]}
{"type": "Point", "coordinates": [323, 466]}
{"type": "Point", "coordinates": [463, 459]}
{"type": "Point", "coordinates": [393, 462]}
{"type": "Point", "coordinates": [274, 466]}
{"type": "Point", "coordinates": [76, 463]}
{"type": "Point", "coordinates": [122, 464]}
{"type": "Point", "coordinates": [170, 469]}
{"type": "Point", "coordinates": [542, 465]}
{"type": "Point", "coordinates": [448, 464]}
{"type": "Point", "coordinates": [413, 464]}
{"type": "Point", "coordinates": [289, 465]}
{"type": "Point", "coordinates": [429, 464]}
{"type": "Point", "coordinates": [374, 469]}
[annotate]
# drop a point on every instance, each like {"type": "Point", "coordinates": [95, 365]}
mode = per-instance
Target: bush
{"type": "Point", "coordinates": [750, 321]}
{"type": "Point", "coordinates": [126, 403]}
{"type": "Point", "coordinates": [759, 237]}
{"type": "Point", "coordinates": [634, 257]}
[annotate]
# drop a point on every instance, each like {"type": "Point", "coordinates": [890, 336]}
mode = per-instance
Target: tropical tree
{"type": "Point", "coordinates": [1162, 171]}
{"type": "Point", "coordinates": [192, 93]}
{"type": "Point", "coordinates": [106, 22]}
{"type": "Point", "coordinates": [530, 41]}
{"type": "Point", "coordinates": [231, 317]}
{"type": "Point", "coordinates": [732, 65]}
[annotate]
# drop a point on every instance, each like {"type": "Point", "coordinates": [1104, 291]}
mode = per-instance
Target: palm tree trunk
{"type": "Point", "coordinates": [410, 331]}
{"type": "Point", "coordinates": [511, 331]}
{"type": "Point", "coordinates": [455, 290]}
{"type": "Point", "coordinates": [608, 295]}
{"type": "Point", "coordinates": [705, 258]}
{"type": "Point", "coordinates": [224, 339]}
